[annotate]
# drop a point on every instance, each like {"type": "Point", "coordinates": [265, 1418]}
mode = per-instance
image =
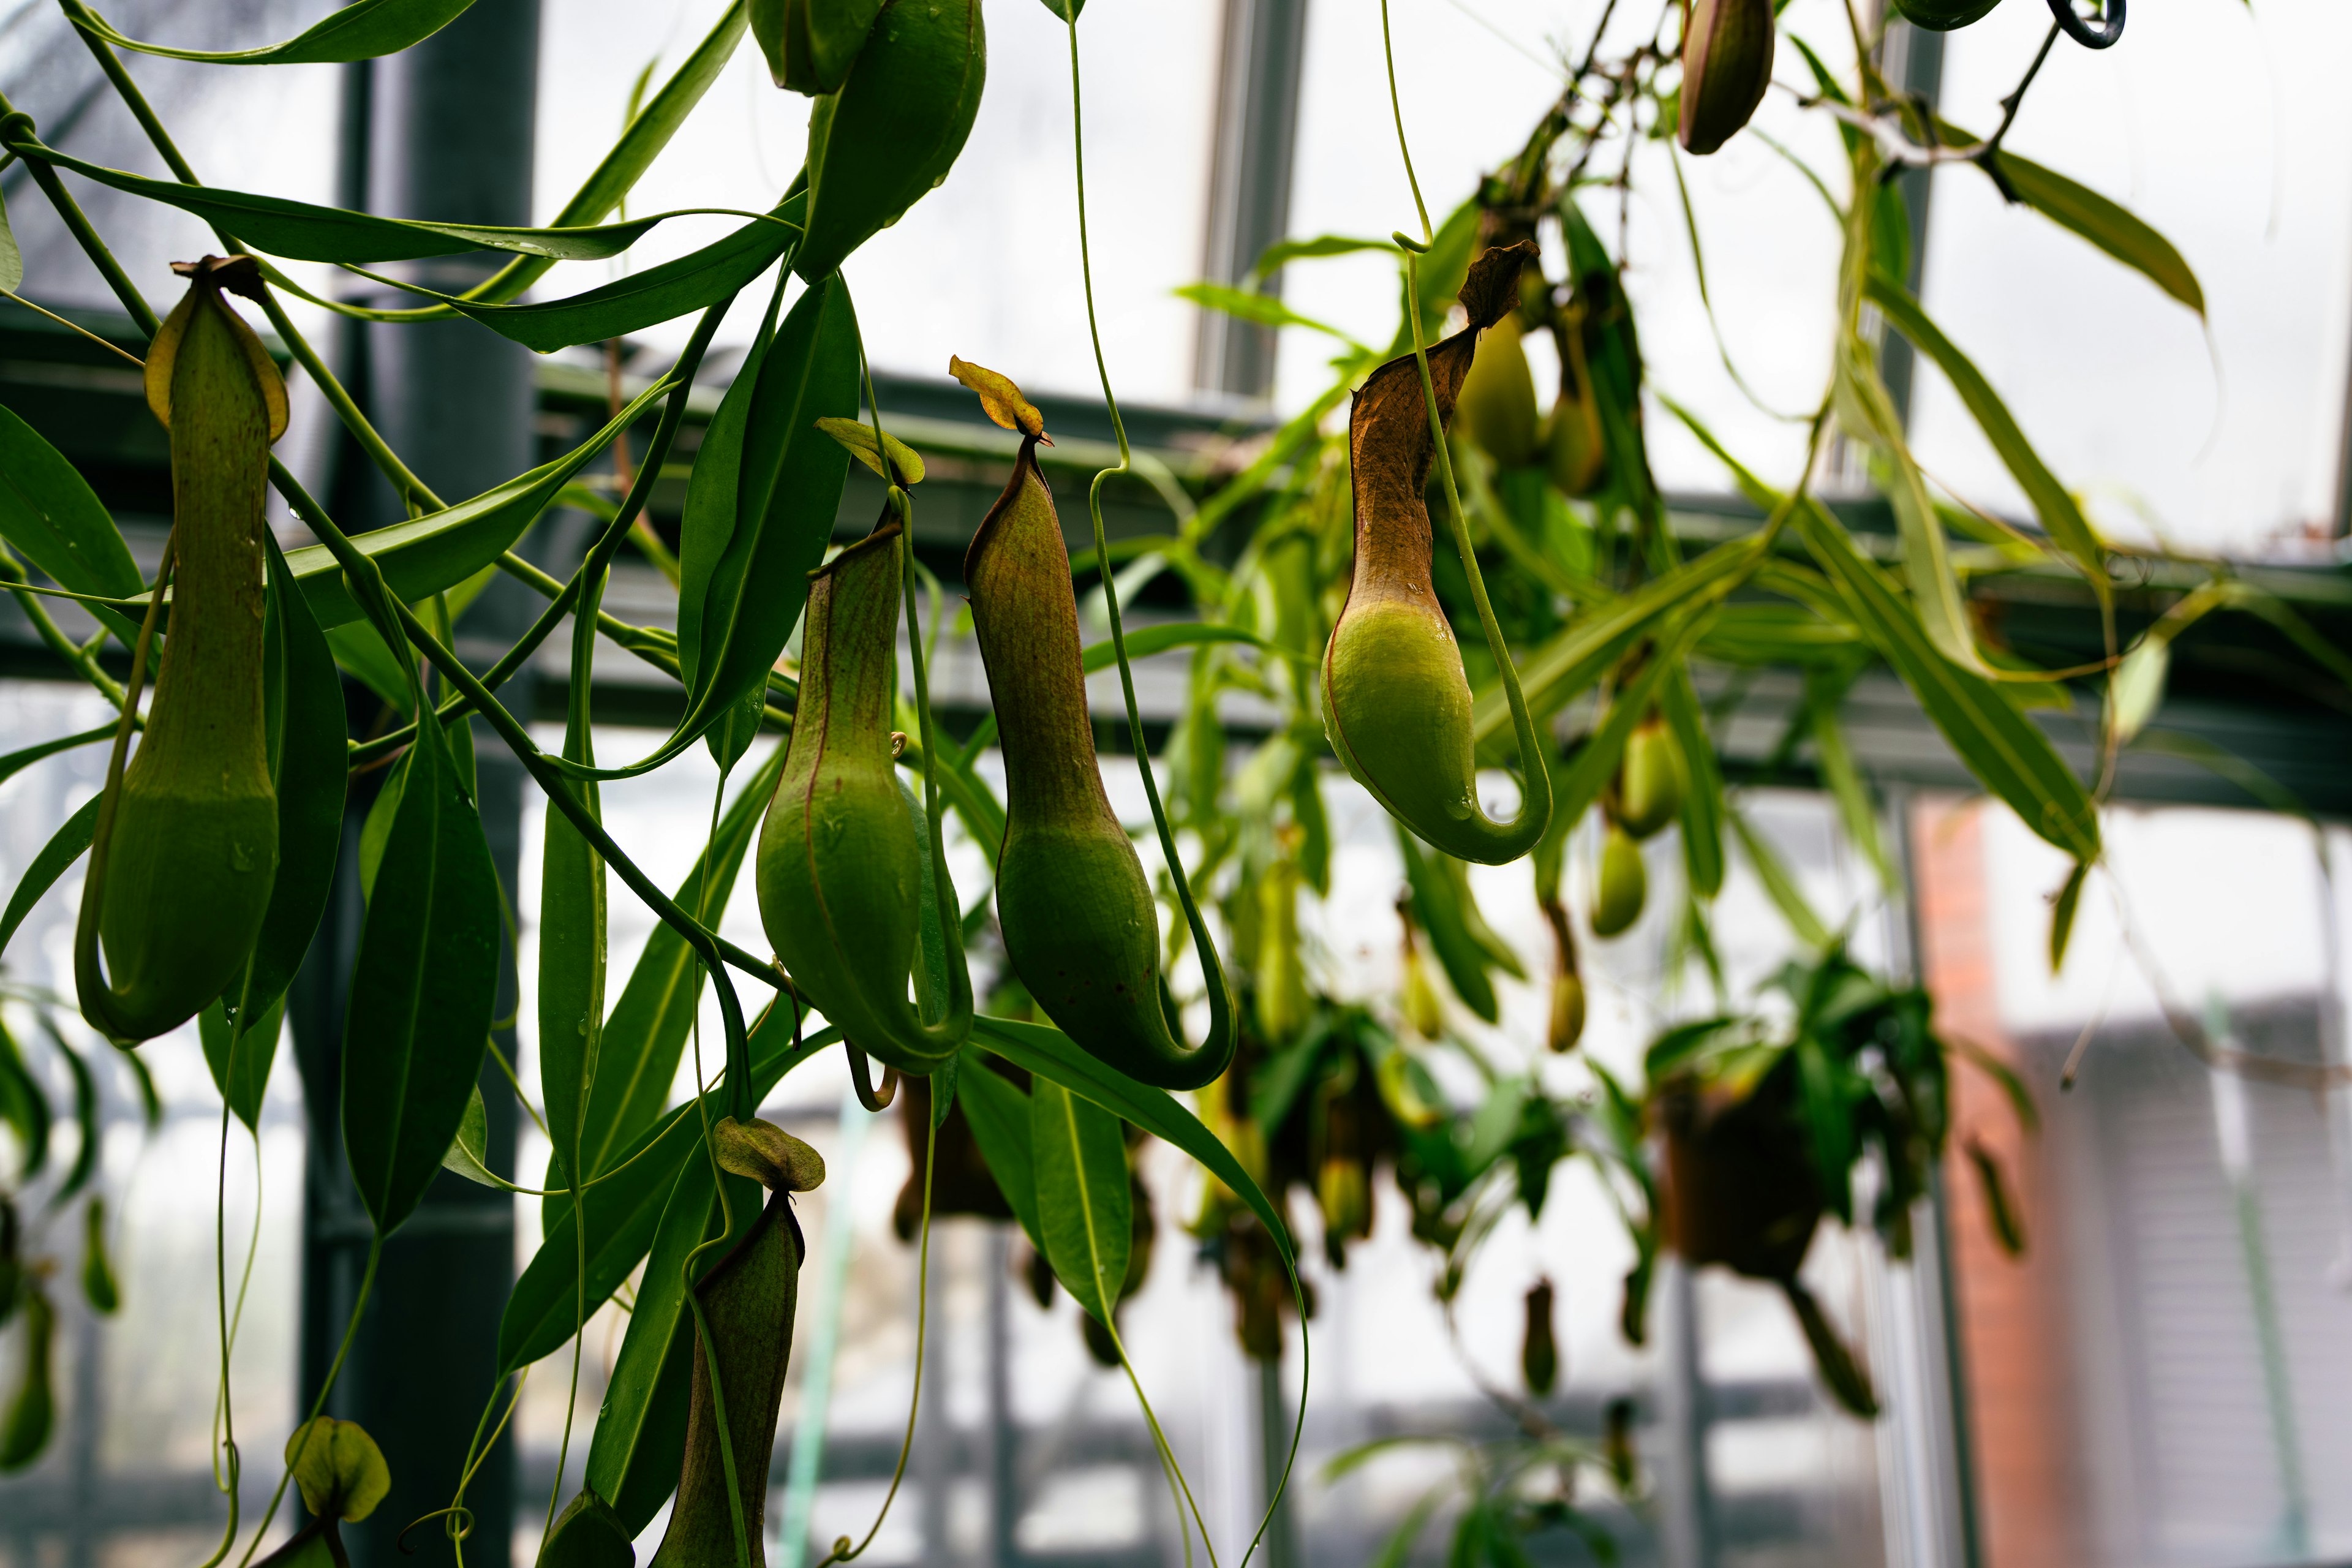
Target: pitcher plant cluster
{"type": "Point", "coordinates": [1449, 580]}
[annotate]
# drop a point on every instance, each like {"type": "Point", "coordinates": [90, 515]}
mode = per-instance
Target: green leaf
{"type": "Point", "coordinates": [1437, 908]}
{"type": "Point", "coordinates": [998, 1111]}
{"type": "Point", "coordinates": [571, 973]}
{"type": "Point", "coordinates": [365, 29]}
{"type": "Point", "coordinates": [1858, 811]}
{"type": "Point", "coordinates": [2094, 219]}
{"type": "Point", "coordinates": [648, 133]}
{"type": "Point", "coordinates": [240, 1059]}
{"type": "Point", "coordinates": [623, 1206]}
{"type": "Point", "coordinates": [690, 283]}
{"type": "Point", "coordinates": [308, 763]}
{"type": "Point", "coordinates": [1592, 644]}
{"type": "Point", "coordinates": [98, 1285]}
{"type": "Point", "coordinates": [1767, 634]}
{"type": "Point", "coordinates": [2060, 517]}
{"type": "Point", "coordinates": [85, 1116]}
{"type": "Point", "coordinates": [2061, 913]}
{"type": "Point", "coordinates": [65, 847]}
{"type": "Point", "coordinates": [1282, 253]}
{"type": "Point", "coordinates": [424, 989]}
{"type": "Point", "coordinates": [1084, 1209]}
{"type": "Point", "coordinates": [1867, 411]}
{"type": "Point", "coordinates": [23, 1107]}
{"type": "Point", "coordinates": [1595, 761]}
{"type": "Point", "coordinates": [1702, 808]}
{"type": "Point", "coordinates": [633, 1463]}
{"type": "Point", "coordinates": [1048, 1053]}
{"type": "Point", "coordinates": [301, 231]}
{"type": "Point", "coordinates": [469, 1152]}
{"type": "Point", "coordinates": [645, 1035]}
{"type": "Point", "coordinates": [761, 507]}
{"type": "Point", "coordinates": [427, 554]}
{"type": "Point", "coordinates": [856, 437]}
{"type": "Point", "coordinates": [2004, 749]}
{"type": "Point", "coordinates": [1779, 883]}
{"type": "Point", "coordinates": [1247, 305]}
{"type": "Point", "coordinates": [359, 651]}
{"type": "Point", "coordinates": [16, 762]}
{"type": "Point", "coordinates": [51, 516]}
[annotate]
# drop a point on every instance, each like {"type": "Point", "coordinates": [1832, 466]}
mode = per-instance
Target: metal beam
{"type": "Point", "coordinates": [443, 131]}
{"type": "Point", "coordinates": [1257, 136]}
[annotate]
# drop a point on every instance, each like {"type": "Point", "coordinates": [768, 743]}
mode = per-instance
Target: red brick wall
{"type": "Point", "coordinates": [2012, 1323]}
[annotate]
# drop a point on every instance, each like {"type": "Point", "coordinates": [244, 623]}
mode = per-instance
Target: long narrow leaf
{"type": "Point", "coordinates": [998, 1112]}
{"type": "Point", "coordinates": [1050, 1054]}
{"type": "Point", "coordinates": [365, 29]}
{"type": "Point", "coordinates": [2060, 517]}
{"type": "Point", "coordinates": [65, 847]}
{"type": "Point", "coordinates": [424, 989]}
{"type": "Point", "coordinates": [1702, 808]}
{"type": "Point", "coordinates": [1083, 1203]}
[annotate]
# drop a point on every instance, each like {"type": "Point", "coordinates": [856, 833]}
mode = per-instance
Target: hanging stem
{"type": "Point", "coordinates": [1220, 1037]}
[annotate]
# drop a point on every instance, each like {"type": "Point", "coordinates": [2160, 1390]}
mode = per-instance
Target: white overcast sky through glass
{"type": "Point", "coordinates": [987, 265]}
{"type": "Point", "coordinates": [2113, 381]}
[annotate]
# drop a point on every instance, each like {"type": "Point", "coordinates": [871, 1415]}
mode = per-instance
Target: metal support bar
{"type": "Point", "coordinates": [442, 131]}
{"type": "Point", "coordinates": [1257, 136]}
{"type": "Point", "coordinates": [1914, 56]}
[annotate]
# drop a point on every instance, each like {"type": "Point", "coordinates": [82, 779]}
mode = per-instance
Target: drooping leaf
{"type": "Point", "coordinates": [1084, 1203]}
{"type": "Point", "coordinates": [662, 292]}
{"type": "Point", "coordinates": [359, 651]}
{"type": "Point", "coordinates": [97, 1282]}
{"type": "Point", "coordinates": [633, 1462]}
{"type": "Point", "coordinates": [424, 989]}
{"type": "Point", "coordinates": [1702, 807]}
{"type": "Point", "coordinates": [23, 1107]}
{"type": "Point", "coordinates": [1437, 910]}
{"type": "Point", "coordinates": [1590, 768]}
{"type": "Point", "coordinates": [301, 231]}
{"type": "Point", "coordinates": [1048, 1053]}
{"type": "Point", "coordinates": [857, 436]}
{"type": "Point", "coordinates": [648, 133]}
{"type": "Point", "coordinates": [2093, 218]}
{"type": "Point", "coordinates": [240, 1059]}
{"type": "Point", "coordinates": [1779, 883]}
{"type": "Point", "coordinates": [623, 1207]}
{"type": "Point", "coordinates": [998, 1111]}
{"type": "Point", "coordinates": [65, 847]}
{"type": "Point", "coordinates": [646, 1033]}
{"type": "Point", "coordinates": [440, 550]}
{"type": "Point", "coordinates": [49, 515]}
{"type": "Point", "coordinates": [1263, 309]}
{"type": "Point", "coordinates": [469, 1151]}
{"type": "Point", "coordinates": [2060, 517]}
{"type": "Point", "coordinates": [16, 762]}
{"type": "Point", "coordinates": [1866, 408]}
{"type": "Point", "coordinates": [1570, 662]}
{"type": "Point", "coordinates": [86, 1117]}
{"type": "Point", "coordinates": [308, 764]}
{"type": "Point", "coordinates": [1855, 807]}
{"type": "Point", "coordinates": [571, 969]}
{"type": "Point", "coordinates": [2061, 913]}
{"type": "Point", "coordinates": [364, 29]}
{"type": "Point", "coordinates": [2004, 749]}
{"type": "Point", "coordinates": [746, 556]}
{"type": "Point", "coordinates": [1282, 253]}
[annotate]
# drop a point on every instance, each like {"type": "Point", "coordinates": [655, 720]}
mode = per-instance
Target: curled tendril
{"type": "Point", "coordinates": [460, 1526]}
{"type": "Point", "coordinates": [2098, 35]}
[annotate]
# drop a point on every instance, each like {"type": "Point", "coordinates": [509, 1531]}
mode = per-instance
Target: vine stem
{"type": "Point", "coordinates": [1396, 112]}
{"type": "Point", "coordinates": [1223, 1035]}
{"type": "Point", "coordinates": [342, 1353]}
{"type": "Point", "coordinates": [842, 1551]}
